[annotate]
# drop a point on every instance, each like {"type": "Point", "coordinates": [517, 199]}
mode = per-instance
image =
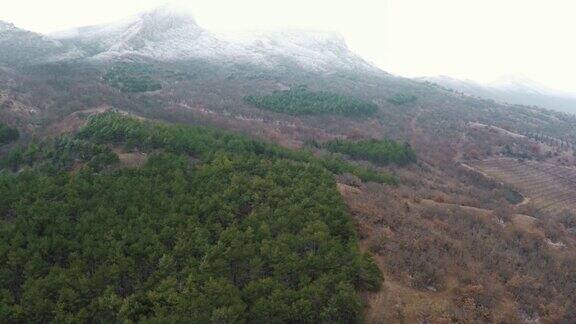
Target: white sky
{"type": "Point", "coordinates": [476, 39]}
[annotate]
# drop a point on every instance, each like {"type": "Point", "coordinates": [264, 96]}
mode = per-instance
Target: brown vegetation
{"type": "Point", "coordinates": [446, 262]}
{"type": "Point", "coordinates": [451, 245]}
{"type": "Point", "coordinates": [551, 188]}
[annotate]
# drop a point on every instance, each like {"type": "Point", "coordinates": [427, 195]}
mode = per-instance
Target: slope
{"type": "Point", "coordinates": [213, 228]}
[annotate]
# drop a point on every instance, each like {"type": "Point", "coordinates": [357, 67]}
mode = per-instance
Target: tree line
{"type": "Point", "coordinates": [131, 78]}
{"type": "Point", "coordinates": [8, 134]}
{"type": "Point", "coordinates": [382, 152]}
{"type": "Point", "coordinates": [300, 100]}
{"type": "Point", "coordinates": [402, 99]}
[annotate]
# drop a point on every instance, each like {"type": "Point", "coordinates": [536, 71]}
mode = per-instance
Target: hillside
{"type": "Point", "coordinates": [268, 171]}
{"type": "Point", "coordinates": [213, 227]}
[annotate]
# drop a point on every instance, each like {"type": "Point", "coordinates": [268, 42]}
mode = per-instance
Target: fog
{"type": "Point", "coordinates": [477, 40]}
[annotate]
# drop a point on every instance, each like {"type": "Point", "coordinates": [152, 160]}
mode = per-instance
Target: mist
{"type": "Point", "coordinates": [481, 41]}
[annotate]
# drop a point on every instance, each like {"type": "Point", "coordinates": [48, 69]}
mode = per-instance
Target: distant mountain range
{"type": "Point", "coordinates": [513, 90]}
{"type": "Point", "coordinates": [170, 34]}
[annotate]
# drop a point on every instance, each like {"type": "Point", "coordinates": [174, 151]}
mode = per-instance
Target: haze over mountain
{"type": "Point", "coordinates": [171, 34]}
{"type": "Point", "coordinates": [388, 33]}
{"type": "Point", "coordinates": [513, 90]}
{"type": "Point", "coordinates": [21, 47]}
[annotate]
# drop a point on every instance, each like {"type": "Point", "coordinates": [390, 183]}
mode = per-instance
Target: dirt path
{"type": "Point", "coordinates": [463, 207]}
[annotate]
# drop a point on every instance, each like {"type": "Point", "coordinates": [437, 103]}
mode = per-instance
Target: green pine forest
{"type": "Point", "coordinates": [131, 77]}
{"type": "Point", "coordinates": [8, 134]}
{"type": "Point", "coordinates": [215, 227]}
{"type": "Point", "coordinates": [381, 152]}
{"type": "Point", "coordinates": [300, 100]}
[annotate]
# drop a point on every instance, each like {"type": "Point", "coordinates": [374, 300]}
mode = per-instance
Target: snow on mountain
{"type": "Point", "coordinates": [172, 34]}
{"type": "Point", "coordinates": [512, 89]}
{"type": "Point", "coordinates": [162, 34]}
{"type": "Point", "coordinates": [466, 86]}
{"type": "Point", "coordinates": [519, 83]}
{"type": "Point", "coordinates": [309, 49]}
{"type": "Point", "coordinates": [5, 26]}
{"type": "Point", "coordinates": [20, 47]}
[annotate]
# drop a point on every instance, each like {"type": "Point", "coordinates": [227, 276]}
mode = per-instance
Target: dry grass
{"type": "Point", "coordinates": [131, 159]}
{"type": "Point", "coordinates": [388, 218]}
{"type": "Point", "coordinates": [549, 187]}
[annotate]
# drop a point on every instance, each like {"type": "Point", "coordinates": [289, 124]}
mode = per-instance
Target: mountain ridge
{"type": "Point", "coordinates": [511, 90]}
{"type": "Point", "coordinates": [169, 34]}
{"type": "Point", "coordinates": [21, 47]}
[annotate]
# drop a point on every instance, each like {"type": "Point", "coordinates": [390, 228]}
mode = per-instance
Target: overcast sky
{"type": "Point", "coordinates": [480, 40]}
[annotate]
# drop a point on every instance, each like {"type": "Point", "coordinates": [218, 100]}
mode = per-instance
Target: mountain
{"type": "Point", "coordinates": [310, 49]}
{"type": "Point", "coordinates": [513, 90]}
{"type": "Point", "coordinates": [172, 34]}
{"type": "Point", "coordinates": [165, 173]}
{"type": "Point", "coordinates": [162, 34]}
{"type": "Point", "coordinates": [21, 47]}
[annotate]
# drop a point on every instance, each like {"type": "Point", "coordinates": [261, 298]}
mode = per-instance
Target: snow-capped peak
{"type": "Point", "coordinates": [5, 26]}
{"type": "Point", "coordinates": [312, 49]}
{"type": "Point", "coordinates": [163, 33]}
{"type": "Point", "coordinates": [167, 17]}
{"type": "Point", "coordinates": [171, 33]}
{"type": "Point", "coordinates": [518, 83]}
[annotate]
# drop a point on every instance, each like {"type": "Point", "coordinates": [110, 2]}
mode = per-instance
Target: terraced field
{"type": "Point", "coordinates": [549, 187]}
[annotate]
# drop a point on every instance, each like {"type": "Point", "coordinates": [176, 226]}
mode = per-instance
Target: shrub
{"type": "Point", "coordinates": [131, 78]}
{"type": "Point", "coordinates": [402, 99]}
{"type": "Point", "coordinates": [8, 134]}
{"type": "Point", "coordinates": [380, 152]}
